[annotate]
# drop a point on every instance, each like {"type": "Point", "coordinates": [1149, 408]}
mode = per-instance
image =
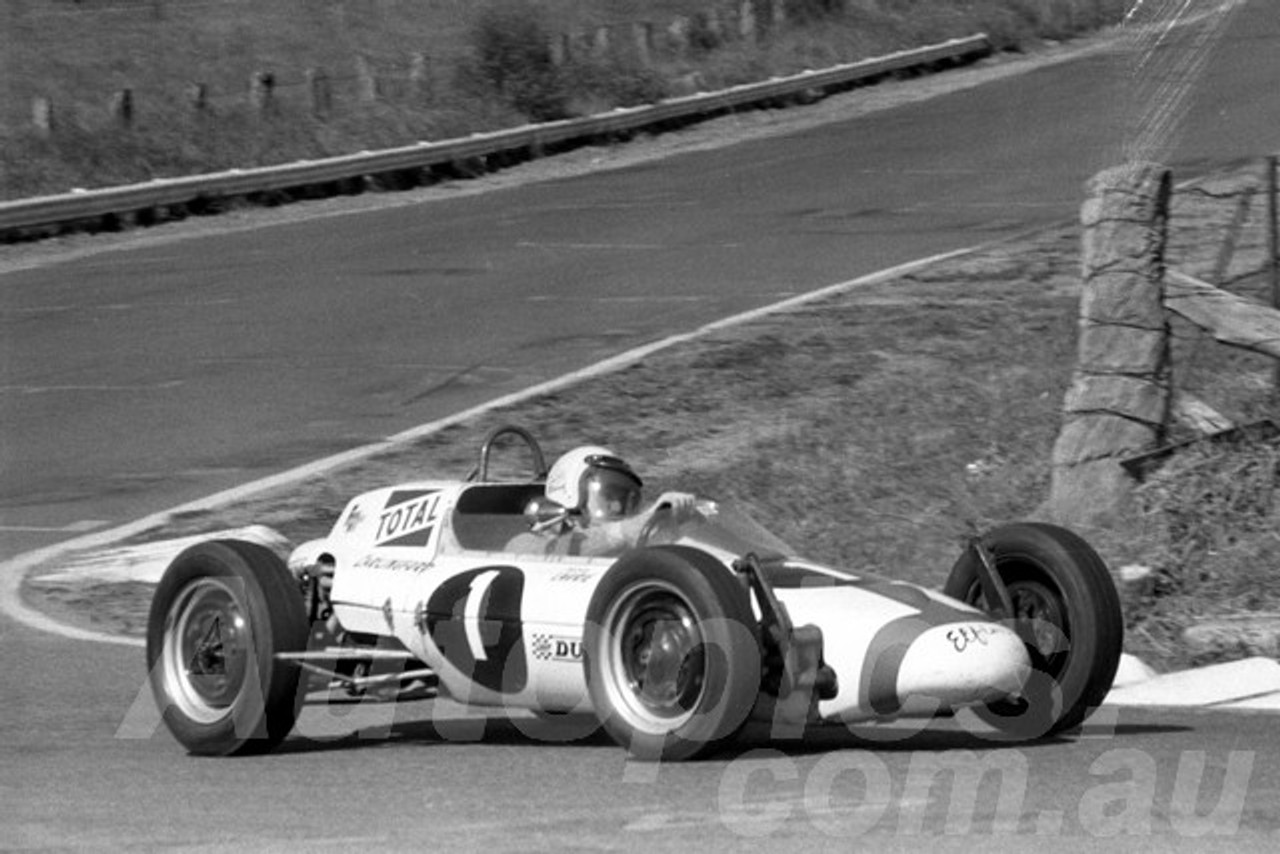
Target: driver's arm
{"type": "Point", "coordinates": [615, 537]}
{"type": "Point", "coordinates": [683, 505]}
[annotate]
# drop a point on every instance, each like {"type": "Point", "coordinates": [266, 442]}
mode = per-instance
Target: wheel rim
{"type": "Point", "coordinates": [1042, 622]}
{"type": "Point", "coordinates": [655, 664]}
{"type": "Point", "coordinates": [207, 650]}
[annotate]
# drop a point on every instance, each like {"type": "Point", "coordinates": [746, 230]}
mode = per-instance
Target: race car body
{"type": "Point", "coordinates": [674, 642]}
{"type": "Point", "coordinates": [423, 563]}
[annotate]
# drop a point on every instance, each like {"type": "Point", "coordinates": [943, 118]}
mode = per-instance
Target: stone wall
{"type": "Point", "coordinates": [1120, 396]}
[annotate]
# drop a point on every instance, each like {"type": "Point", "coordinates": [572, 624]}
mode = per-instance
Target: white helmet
{"type": "Point", "coordinates": [594, 481]}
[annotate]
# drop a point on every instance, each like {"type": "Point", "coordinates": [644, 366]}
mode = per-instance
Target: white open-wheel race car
{"type": "Point", "coordinates": [674, 644]}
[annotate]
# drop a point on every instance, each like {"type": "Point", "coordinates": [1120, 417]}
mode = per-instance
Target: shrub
{"type": "Point", "coordinates": [702, 36]}
{"type": "Point", "coordinates": [1207, 501]}
{"type": "Point", "coordinates": [614, 84]}
{"type": "Point", "coordinates": [809, 10]}
{"type": "Point", "coordinates": [512, 54]}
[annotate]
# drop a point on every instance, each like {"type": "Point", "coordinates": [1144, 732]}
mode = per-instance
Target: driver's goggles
{"type": "Point", "coordinates": [611, 493]}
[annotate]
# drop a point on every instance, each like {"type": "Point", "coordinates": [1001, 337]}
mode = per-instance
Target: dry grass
{"type": "Point", "coordinates": [1209, 535]}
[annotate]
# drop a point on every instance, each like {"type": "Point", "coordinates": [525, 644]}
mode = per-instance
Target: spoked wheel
{"type": "Point", "coordinates": [1043, 622]}
{"type": "Point", "coordinates": [659, 659]}
{"type": "Point", "coordinates": [207, 648]}
{"type": "Point", "coordinates": [1067, 612]}
{"type": "Point", "coordinates": [672, 653]}
{"type": "Point", "coordinates": [219, 615]}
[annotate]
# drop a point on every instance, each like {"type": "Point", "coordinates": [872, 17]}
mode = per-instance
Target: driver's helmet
{"type": "Point", "coordinates": [594, 482]}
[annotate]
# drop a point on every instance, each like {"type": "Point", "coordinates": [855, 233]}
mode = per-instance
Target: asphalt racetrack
{"type": "Point", "coordinates": [142, 377]}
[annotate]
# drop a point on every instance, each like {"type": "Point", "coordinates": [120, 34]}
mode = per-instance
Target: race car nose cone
{"type": "Point", "coordinates": [961, 663]}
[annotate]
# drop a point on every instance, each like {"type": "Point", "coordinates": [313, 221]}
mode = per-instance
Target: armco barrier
{"type": "Point", "coordinates": [73, 207]}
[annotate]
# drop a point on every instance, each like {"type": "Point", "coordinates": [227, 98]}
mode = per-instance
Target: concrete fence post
{"type": "Point", "coordinates": [42, 115]}
{"type": "Point", "coordinates": [320, 91]}
{"type": "Point", "coordinates": [262, 87]}
{"type": "Point", "coordinates": [121, 108]}
{"type": "Point", "coordinates": [715, 23]}
{"type": "Point", "coordinates": [198, 98]}
{"type": "Point", "coordinates": [1120, 397]}
{"type": "Point", "coordinates": [747, 29]}
{"type": "Point", "coordinates": [366, 81]}
{"type": "Point", "coordinates": [678, 34]}
{"type": "Point", "coordinates": [560, 47]}
{"type": "Point", "coordinates": [642, 35]}
{"type": "Point", "coordinates": [600, 42]}
{"type": "Point", "coordinates": [421, 82]}
{"type": "Point", "coordinates": [777, 12]}
{"type": "Point", "coordinates": [581, 44]}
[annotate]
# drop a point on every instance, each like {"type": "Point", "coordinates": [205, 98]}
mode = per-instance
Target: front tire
{"type": "Point", "coordinates": [221, 612]}
{"type": "Point", "coordinates": [671, 652]}
{"type": "Point", "coordinates": [1067, 612]}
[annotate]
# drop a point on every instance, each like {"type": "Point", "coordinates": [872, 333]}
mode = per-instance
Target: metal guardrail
{"type": "Point", "coordinates": [44, 211]}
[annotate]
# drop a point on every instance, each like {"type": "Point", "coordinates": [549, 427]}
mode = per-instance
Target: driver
{"type": "Point", "coordinates": [601, 495]}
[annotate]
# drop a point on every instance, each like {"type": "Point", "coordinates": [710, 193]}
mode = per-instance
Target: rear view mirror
{"type": "Point", "coordinates": [542, 513]}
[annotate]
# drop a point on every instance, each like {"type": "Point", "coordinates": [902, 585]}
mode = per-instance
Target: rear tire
{"type": "Point", "coordinates": [671, 652]}
{"type": "Point", "coordinates": [1067, 611]}
{"type": "Point", "coordinates": [221, 612]}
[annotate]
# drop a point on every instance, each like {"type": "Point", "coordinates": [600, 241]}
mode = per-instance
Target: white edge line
{"type": "Point", "coordinates": [12, 571]}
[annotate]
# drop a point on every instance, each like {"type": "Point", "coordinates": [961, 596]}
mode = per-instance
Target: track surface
{"type": "Point", "coordinates": [415, 777]}
{"type": "Point", "coordinates": [138, 379]}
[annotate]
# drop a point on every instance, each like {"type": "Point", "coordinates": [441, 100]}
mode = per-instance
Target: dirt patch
{"type": "Point", "coordinates": [119, 607]}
